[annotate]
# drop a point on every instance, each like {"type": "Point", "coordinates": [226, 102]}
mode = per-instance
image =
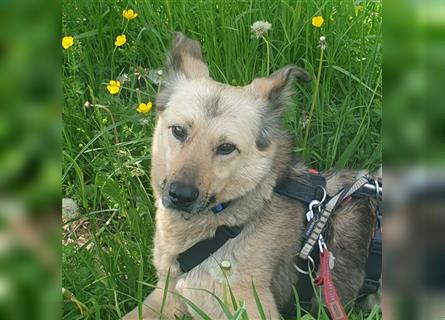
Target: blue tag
{"type": "Point", "coordinates": [218, 208]}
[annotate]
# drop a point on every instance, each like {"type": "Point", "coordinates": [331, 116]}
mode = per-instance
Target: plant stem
{"type": "Point", "coordinates": [267, 55]}
{"type": "Point", "coordinates": [314, 101]}
{"type": "Point", "coordinates": [116, 136]}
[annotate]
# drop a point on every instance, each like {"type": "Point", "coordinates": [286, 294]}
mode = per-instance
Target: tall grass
{"type": "Point", "coordinates": [106, 157]}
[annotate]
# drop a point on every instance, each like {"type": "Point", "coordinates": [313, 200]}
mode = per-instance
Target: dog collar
{"type": "Point", "coordinates": [220, 207]}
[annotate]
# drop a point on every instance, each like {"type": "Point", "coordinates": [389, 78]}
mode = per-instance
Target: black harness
{"type": "Point", "coordinates": [199, 252]}
{"type": "Point", "coordinates": [305, 191]}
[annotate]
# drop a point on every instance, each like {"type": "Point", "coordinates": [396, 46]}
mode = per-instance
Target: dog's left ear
{"type": "Point", "coordinates": [277, 88]}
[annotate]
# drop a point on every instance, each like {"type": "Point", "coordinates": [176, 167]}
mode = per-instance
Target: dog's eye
{"type": "Point", "coordinates": [179, 133]}
{"type": "Point", "coordinates": [225, 148]}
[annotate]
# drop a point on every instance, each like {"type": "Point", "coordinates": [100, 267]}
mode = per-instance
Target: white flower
{"type": "Point", "coordinates": [123, 78]}
{"type": "Point", "coordinates": [323, 44]}
{"type": "Point", "coordinates": [156, 76]}
{"type": "Point", "coordinates": [259, 28]}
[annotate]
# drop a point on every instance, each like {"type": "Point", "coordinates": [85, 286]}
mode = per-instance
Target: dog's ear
{"type": "Point", "coordinates": [184, 61]}
{"type": "Point", "coordinates": [275, 90]}
{"type": "Point", "coordinates": [186, 58]}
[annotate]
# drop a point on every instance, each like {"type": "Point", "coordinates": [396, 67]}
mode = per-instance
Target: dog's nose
{"type": "Point", "coordinates": [182, 194]}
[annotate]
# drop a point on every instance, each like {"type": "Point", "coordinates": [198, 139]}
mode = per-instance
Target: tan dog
{"type": "Point", "coordinates": [216, 143]}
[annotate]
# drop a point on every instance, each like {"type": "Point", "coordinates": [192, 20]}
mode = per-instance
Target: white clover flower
{"type": "Point", "coordinates": [259, 28]}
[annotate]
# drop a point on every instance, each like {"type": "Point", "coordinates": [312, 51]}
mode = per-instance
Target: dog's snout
{"type": "Point", "coordinates": [182, 194]}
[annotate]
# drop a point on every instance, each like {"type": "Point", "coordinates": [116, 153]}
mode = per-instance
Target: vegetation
{"type": "Point", "coordinates": [335, 120]}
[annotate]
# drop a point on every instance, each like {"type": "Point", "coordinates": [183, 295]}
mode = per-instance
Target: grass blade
{"type": "Point", "coordinates": [375, 313]}
{"type": "Point", "coordinates": [200, 312]}
{"type": "Point", "coordinates": [258, 302]}
{"type": "Point", "coordinates": [221, 303]}
{"type": "Point", "coordinates": [241, 313]}
{"type": "Point", "coordinates": [164, 295]}
{"type": "Point", "coordinates": [353, 77]}
{"type": "Point", "coordinates": [139, 284]}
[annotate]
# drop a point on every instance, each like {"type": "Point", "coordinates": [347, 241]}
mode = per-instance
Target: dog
{"type": "Point", "coordinates": [215, 143]}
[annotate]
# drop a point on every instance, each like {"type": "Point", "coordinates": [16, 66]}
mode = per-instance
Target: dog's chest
{"type": "Point", "coordinates": [214, 276]}
{"type": "Point", "coordinates": [214, 271]}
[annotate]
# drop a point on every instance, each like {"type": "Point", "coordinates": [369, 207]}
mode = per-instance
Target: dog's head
{"type": "Point", "coordinates": [213, 142]}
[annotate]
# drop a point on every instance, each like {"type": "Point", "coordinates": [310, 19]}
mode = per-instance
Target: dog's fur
{"type": "Point", "coordinates": [264, 252]}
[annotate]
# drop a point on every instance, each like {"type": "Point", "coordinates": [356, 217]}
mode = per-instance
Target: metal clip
{"type": "Point", "coordinates": [314, 203]}
{"type": "Point", "coordinates": [378, 189]}
{"type": "Point", "coordinates": [374, 185]}
{"type": "Point", "coordinates": [321, 244]}
{"type": "Point", "coordinates": [309, 215]}
{"type": "Point", "coordinates": [323, 198]}
{"type": "Point", "coordinates": [304, 271]}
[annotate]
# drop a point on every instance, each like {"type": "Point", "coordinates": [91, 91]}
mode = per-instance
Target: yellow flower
{"type": "Point", "coordinates": [114, 86]}
{"type": "Point", "coordinates": [317, 21]}
{"type": "Point", "coordinates": [358, 9]}
{"type": "Point", "coordinates": [120, 40]}
{"type": "Point", "coordinates": [144, 107]}
{"type": "Point", "coordinates": [129, 14]}
{"type": "Point", "coordinates": [67, 42]}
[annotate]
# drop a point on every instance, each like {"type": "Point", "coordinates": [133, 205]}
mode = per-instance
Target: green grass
{"type": "Point", "coordinates": [106, 157]}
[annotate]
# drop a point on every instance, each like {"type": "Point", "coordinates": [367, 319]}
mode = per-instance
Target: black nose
{"type": "Point", "coordinates": [182, 194]}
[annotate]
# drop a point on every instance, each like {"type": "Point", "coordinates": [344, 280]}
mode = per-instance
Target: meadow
{"type": "Point", "coordinates": [335, 120]}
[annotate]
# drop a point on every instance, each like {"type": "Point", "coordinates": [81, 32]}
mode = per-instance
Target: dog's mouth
{"type": "Point", "coordinates": [199, 206]}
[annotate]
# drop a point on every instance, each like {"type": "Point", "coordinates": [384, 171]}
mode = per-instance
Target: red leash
{"type": "Point", "coordinates": [331, 298]}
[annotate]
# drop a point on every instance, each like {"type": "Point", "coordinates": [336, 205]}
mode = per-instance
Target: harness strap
{"type": "Point", "coordinates": [328, 209]}
{"type": "Point", "coordinates": [199, 252]}
{"type": "Point", "coordinates": [373, 268]}
{"type": "Point", "coordinates": [304, 191]}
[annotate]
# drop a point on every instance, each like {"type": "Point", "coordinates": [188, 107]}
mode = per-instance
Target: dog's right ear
{"type": "Point", "coordinates": [183, 62]}
{"type": "Point", "coordinates": [186, 58]}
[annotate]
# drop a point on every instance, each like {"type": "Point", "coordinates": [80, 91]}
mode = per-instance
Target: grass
{"type": "Point", "coordinates": [106, 156]}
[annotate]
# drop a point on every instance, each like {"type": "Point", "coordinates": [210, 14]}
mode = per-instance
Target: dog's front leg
{"type": "Point", "coordinates": [151, 307]}
{"type": "Point", "coordinates": [245, 293]}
